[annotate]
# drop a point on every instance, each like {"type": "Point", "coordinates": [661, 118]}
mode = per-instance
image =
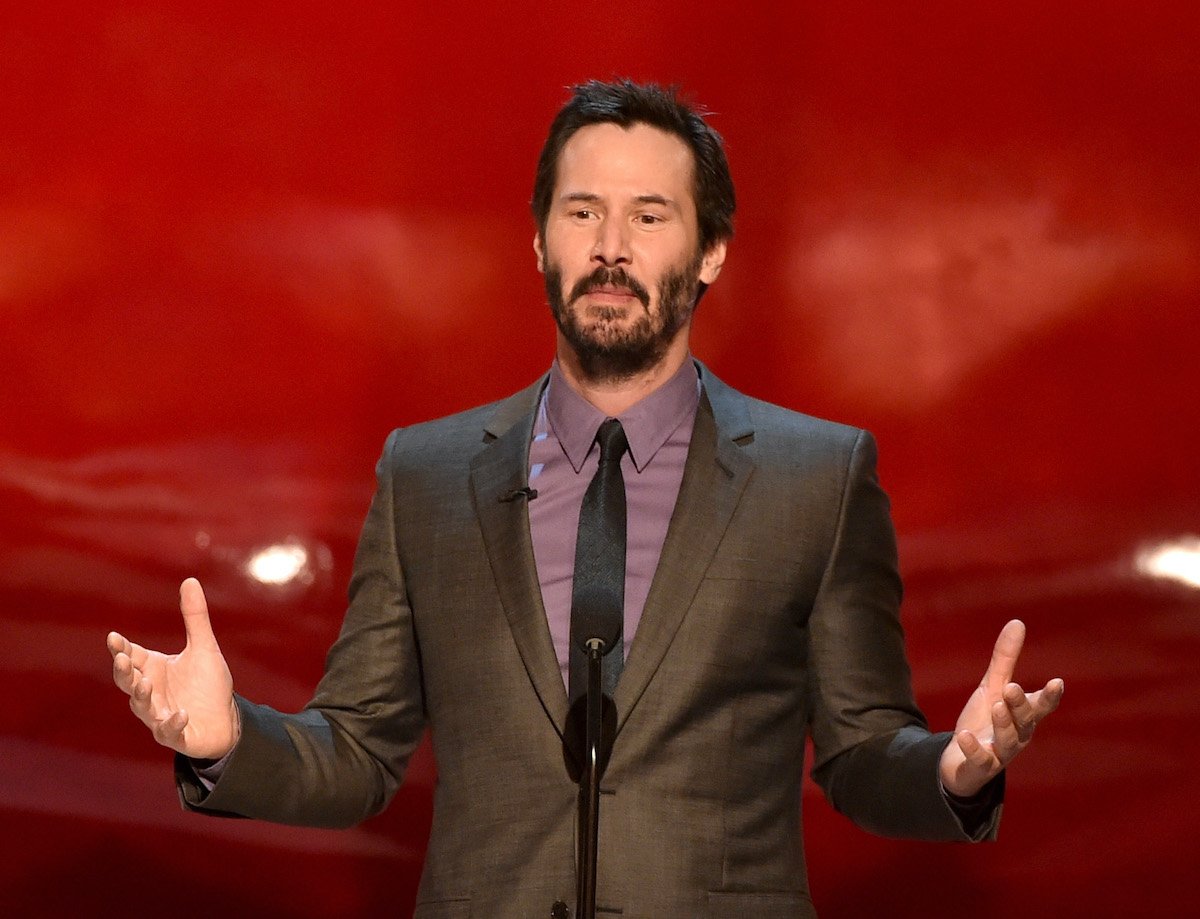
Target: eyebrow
{"type": "Point", "coordinates": [591, 197]}
{"type": "Point", "coordinates": [655, 199]}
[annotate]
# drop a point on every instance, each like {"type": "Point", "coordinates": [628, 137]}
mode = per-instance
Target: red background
{"type": "Point", "coordinates": [238, 246]}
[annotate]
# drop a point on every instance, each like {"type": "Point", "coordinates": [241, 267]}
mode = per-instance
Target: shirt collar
{"type": "Point", "coordinates": [647, 423]}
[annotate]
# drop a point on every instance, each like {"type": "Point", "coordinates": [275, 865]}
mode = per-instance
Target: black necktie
{"type": "Point", "coordinates": [598, 590]}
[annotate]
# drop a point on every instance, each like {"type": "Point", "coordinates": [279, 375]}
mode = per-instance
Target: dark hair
{"type": "Point", "coordinates": [627, 103]}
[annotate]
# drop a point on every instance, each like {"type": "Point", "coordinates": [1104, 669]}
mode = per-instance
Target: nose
{"type": "Point", "coordinates": [612, 244]}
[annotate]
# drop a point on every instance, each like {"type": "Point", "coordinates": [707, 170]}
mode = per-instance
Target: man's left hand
{"type": "Point", "coordinates": [998, 720]}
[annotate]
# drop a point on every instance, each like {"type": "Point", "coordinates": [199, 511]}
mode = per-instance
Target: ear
{"type": "Point", "coordinates": [541, 252]}
{"type": "Point", "coordinates": [710, 264]}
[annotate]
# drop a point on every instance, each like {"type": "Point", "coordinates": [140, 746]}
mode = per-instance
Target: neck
{"type": "Point", "coordinates": [614, 396]}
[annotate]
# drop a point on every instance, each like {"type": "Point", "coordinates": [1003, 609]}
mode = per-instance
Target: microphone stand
{"type": "Point", "coordinates": [589, 786]}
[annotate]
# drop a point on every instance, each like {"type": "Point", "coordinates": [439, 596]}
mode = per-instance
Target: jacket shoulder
{"type": "Point", "coordinates": [455, 437]}
{"type": "Point", "coordinates": [772, 431]}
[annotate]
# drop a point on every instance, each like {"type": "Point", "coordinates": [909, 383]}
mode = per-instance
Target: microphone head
{"type": "Point", "coordinates": [594, 620]}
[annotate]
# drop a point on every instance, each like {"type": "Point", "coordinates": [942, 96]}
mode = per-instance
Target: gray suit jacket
{"type": "Point", "coordinates": [774, 611]}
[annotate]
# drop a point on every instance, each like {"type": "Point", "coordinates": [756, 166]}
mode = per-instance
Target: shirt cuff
{"type": "Point", "coordinates": [208, 771]}
{"type": "Point", "coordinates": [976, 812]}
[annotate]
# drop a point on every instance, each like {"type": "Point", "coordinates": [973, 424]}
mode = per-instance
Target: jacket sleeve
{"type": "Point", "coordinates": [875, 759]}
{"type": "Point", "coordinates": [342, 758]}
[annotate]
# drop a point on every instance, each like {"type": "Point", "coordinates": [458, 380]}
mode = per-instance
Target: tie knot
{"type": "Point", "coordinates": [612, 440]}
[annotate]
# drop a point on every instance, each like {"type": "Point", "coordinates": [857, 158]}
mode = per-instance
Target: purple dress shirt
{"type": "Point", "coordinates": [563, 456]}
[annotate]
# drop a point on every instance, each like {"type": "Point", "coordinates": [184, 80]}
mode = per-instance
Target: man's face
{"type": "Point", "coordinates": [621, 248]}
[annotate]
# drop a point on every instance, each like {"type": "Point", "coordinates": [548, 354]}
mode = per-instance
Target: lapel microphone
{"type": "Point", "coordinates": [523, 492]}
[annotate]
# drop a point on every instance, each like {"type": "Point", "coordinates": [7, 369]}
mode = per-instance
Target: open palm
{"type": "Point", "coordinates": [998, 720]}
{"type": "Point", "coordinates": [186, 699]}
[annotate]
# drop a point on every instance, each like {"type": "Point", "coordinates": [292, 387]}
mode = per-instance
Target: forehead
{"type": "Point", "coordinates": [636, 160]}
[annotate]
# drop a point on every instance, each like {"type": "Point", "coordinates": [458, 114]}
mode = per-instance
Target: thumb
{"type": "Point", "coordinates": [195, 617]}
{"type": "Point", "coordinates": [1004, 657]}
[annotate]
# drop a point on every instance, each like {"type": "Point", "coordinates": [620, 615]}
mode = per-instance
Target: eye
{"type": "Point", "coordinates": [583, 213]}
{"type": "Point", "coordinates": [649, 220]}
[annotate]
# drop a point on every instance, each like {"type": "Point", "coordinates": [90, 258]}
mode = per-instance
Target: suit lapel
{"type": "Point", "coordinates": [714, 477]}
{"type": "Point", "coordinates": [500, 468]}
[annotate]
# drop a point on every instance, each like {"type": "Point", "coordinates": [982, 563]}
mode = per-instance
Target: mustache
{"type": "Point", "coordinates": [610, 277]}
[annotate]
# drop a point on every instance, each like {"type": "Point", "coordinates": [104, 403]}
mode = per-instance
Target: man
{"type": "Point", "coordinates": [760, 599]}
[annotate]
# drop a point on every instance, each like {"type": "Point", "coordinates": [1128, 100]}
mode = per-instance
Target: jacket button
{"type": "Point", "coordinates": [559, 910]}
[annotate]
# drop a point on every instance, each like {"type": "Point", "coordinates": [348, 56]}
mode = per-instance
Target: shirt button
{"type": "Point", "coordinates": [559, 910]}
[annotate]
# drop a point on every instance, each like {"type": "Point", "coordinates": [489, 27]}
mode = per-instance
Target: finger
{"type": "Point", "coordinates": [1004, 658]}
{"type": "Point", "coordinates": [1006, 742]}
{"type": "Point", "coordinates": [140, 695]}
{"type": "Point", "coordinates": [149, 705]}
{"type": "Point", "coordinates": [119, 644]}
{"type": "Point", "coordinates": [125, 675]}
{"type": "Point", "coordinates": [169, 731]}
{"type": "Point", "coordinates": [195, 616]}
{"type": "Point", "coordinates": [971, 772]}
{"type": "Point", "coordinates": [1021, 711]}
{"type": "Point", "coordinates": [976, 754]}
{"type": "Point", "coordinates": [1046, 700]}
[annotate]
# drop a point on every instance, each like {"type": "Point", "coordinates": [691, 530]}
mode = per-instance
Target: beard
{"type": "Point", "coordinates": [608, 351]}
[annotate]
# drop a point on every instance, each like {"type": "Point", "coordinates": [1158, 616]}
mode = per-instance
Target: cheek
{"type": "Point", "coordinates": [559, 260]}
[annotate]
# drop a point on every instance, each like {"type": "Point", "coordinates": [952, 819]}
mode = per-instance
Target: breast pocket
{"type": "Point", "coordinates": [771, 567]}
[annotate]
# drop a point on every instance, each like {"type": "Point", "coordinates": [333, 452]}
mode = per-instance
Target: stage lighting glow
{"type": "Point", "coordinates": [1174, 560]}
{"type": "Point", "coordinates": [278, 564]}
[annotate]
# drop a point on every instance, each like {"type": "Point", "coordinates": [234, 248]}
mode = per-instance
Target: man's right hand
{"type": "Point", "coordinates": [186, 699]}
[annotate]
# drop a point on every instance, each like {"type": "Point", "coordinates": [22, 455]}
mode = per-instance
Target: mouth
{"type": "Point", "coordinates": [610, 295]}
{"type": "Point", "coordinates": [610, 287]}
